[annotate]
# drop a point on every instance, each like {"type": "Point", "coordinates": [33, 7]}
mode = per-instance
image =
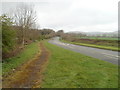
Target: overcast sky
{"type": "Point", "coordinates": [73, 15]}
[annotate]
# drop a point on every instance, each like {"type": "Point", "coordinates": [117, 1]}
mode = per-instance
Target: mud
{"type": "Point", "coordinates": [30, 74]}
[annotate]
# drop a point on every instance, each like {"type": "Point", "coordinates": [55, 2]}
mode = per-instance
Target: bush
{"type": "Point", "coordinates": [8, 35]}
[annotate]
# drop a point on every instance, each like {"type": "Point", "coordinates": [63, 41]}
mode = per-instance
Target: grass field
{"type": "Point", "coordinates": [95, 46]}
{"type": "Point", "coordinates": [68, 69]}
{"type": "Point", "coordinates": [100, 38]}
{"type": "Point", "coordinates": [16, 61]}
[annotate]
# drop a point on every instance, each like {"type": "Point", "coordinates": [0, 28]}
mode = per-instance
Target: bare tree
{"type": "Point", "coordinates": [25, 17]}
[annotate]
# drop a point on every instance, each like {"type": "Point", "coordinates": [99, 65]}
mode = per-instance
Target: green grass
{"type": "Point", "coordinates": [95, 46]}
{"type": "Point", "coordinates": [18, 60]}
{"type": "Point", "coordinates": [99, 38]}
{"type": "Point", "coordinates": [68, 69]}
{"type": "Point", "coordinates": [0, 74]}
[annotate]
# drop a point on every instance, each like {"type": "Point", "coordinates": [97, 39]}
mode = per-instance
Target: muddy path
{"type": "Point", "coordinates": [29, 75]}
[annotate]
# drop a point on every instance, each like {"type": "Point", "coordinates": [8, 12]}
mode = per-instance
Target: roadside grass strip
{"type": "Point", "coordinates": [68, 69]}
{"type": "Point", "coordinates": [95, 46]}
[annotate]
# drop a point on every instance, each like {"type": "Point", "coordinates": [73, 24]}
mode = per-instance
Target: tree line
{"type": "Point", "coordinates": [21, 29]}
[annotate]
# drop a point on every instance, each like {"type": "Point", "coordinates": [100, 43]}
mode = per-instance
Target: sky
{"type": "Point", "coordinates": [72, 15]}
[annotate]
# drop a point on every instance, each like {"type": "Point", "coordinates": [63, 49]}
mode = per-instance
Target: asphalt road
{"type": "Point", "coordinates": [106, 55]}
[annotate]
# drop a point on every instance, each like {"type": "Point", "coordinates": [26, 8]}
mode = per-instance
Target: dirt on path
{"type": "Point", "coordinates": [30, 74]}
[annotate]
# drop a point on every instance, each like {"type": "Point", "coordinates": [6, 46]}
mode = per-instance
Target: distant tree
{"type": "Point", "coordinates": [25, 17]}
{"type": "Point", "coordinates": [60, 33]}
{"type": "Point", "coordinates": [47, 33]}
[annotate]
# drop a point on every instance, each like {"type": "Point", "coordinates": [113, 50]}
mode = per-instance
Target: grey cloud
{"type": "Point", "coordinates": [69, 15]}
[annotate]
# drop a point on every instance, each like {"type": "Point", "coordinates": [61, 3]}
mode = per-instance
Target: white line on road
{"type": "Point", "coordinates": [115, 56]}
{"type": "Point", "coordinates": [112, 57]}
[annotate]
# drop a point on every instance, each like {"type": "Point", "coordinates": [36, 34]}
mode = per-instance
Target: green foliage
{"type": "Point", "coordinates": [8, 35]}
{"type": "Point", "coordinates": [68, 69]}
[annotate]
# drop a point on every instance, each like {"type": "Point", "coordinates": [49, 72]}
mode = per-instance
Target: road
{"type": "Point", "coordinates": [106, 55]}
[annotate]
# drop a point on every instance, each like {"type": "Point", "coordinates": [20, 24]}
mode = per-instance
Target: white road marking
{"type": "Point", "coordinates": [114, 56]}
{"type": "Point", "coordinates": [70, 47]}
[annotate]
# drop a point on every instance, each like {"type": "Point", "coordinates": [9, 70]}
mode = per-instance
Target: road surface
{"type": "Point", "coordinates": [106, 55]}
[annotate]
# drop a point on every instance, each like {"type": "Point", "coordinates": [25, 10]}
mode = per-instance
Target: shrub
{"type": "Point", "coordinates": [8, 35]}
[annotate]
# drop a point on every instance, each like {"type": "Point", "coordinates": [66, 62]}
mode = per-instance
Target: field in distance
{"type": "Point", "coordinates": [99, 38]}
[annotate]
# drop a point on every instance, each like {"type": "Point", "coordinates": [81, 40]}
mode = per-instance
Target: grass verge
{"type": "Point", "coordinates": [68, 69]}
{"type": "Point", "coordinates": [95, 46]}
{"type": "Point", "coordinates": [28, 53]}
